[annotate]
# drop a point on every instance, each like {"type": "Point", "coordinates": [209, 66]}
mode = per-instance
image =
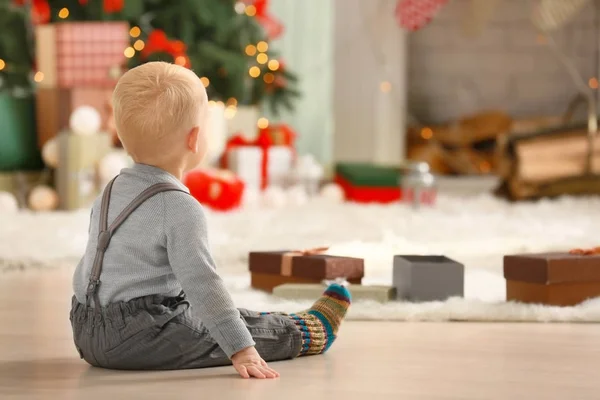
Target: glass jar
{"type": "Point", "coordinates": [418, 185]}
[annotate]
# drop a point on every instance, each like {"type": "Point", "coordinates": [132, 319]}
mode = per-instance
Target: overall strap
{"type": "Point", "coordinates": [106, 232]}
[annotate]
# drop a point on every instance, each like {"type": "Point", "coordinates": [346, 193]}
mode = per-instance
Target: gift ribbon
{"type": "Point", "coordinates": [586, 252]}
{"type": "Point", "coordinates": [263, 141]}
{"type": "Point", "coordinates": [287, 257]}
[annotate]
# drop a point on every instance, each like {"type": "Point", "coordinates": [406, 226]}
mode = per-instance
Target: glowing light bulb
{"type": "Point", "coordinates": [262, 46]}
{"type": "Point", "coordinates": [250, 11]}
{"type": "Point", "coordinates": [63, 13]}
{"type": "Point", "coordinates": [2, 64]}
{"type": "Point", "coordinates": [262, 58]}
{"type": "Point", "coordinates": [254, 72]}
{"type": "Point", "coordinates": [426, 133]}
{"type": "Point", "coordinates": [273, 65]}
{"type": "Point", "coordinates": [39, 76]}
{"type": "Point", "coordinates": [129, 52]}
{"type": "Point", "coordinates": [385, 86]}
{"type": "Point", "coordinates": [139, 45]}
{"type": "Point", "coordinates": [135, 32]}
{"type": "Point", "coordinates": [251, 50]}
{"type": "Point", "coordinates": [262, 123]}
{"type": "Point", "coordinates": [593, 82]}
{"type": "Point", "coordinates": [269, 78]}
{"type": "Point", "coordinates": [205, 81]}
{"type": "Point", "coordinates": [239, 7]}
{"type": "Point", "coordinates": [232, 102]}
{"type": "Point", "coordinates": [230, 112]}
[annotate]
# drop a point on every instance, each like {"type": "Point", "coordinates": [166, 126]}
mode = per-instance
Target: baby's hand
{"type": "Point", "coordinates": [248, 363]}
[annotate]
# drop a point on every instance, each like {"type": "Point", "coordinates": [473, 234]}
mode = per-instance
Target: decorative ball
{"type": "Point", "coordinates": [85, 120]}
{"type": "Point", "coordinates": [332, 192]}
{"type": "Point", "coordinates": [8, 203]}
{"type": "Point", "coordinates": [111, 165]}
{"type": "Point", "coordinates": [50, 153]}
{"type": "Point", "coordinates": [43, 198]}
{"type": "Point", "coordinates": [274, 197]}
{"type": "Point", "coordinates": [297, 195]}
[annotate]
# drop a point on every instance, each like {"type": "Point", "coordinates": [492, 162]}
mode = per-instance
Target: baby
{"type": "Point", "coordinates": [147, 293]}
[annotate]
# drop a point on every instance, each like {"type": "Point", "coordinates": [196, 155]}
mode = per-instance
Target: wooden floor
{"type": "Point", "coordinates": [382, 360]}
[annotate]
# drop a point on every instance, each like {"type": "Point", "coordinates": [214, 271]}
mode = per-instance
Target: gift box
{"type": "Point", "coordinates": [273, 268]}
{"type": "Point", "coordinates": [54, 107]}
{"type": "Point", "coordinates": [258, 162]}
{"type": "Point", "coordinates": [307, 291]}
{"type": "Point", "coordinates": [77, 177]}
{"type": "Point", "coordinates": [427, 278]}
{"type": "Point", "coordinates": [220, 190]}
{"type": "Point", "coordinates": [81, 54]}
{"type": "Point", "coordinates": [559, 279]}
{"type": "Point", "coordinates": [366, 183]}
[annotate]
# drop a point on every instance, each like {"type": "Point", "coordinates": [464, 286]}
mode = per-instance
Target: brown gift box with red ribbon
{"type": "Point", "coordinates": [559, 279]}
{"type": "Point", "coordinates": [273, 268]}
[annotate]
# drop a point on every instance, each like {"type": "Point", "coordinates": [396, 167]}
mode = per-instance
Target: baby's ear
{"type": "Point", "coordinates": [193, 139]}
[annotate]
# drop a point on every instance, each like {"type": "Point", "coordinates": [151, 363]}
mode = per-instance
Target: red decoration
{"type": "Point", "coordinates": [159, 43]}
{"type": "Point", "coordinates": [219, 190]}
{"type": "Point", "coordinates": [280, 135]}
{"type": "Point", "coordinates": [263, 141]}
{"type": "Point", "coordinates": [413, 15]}
{"type": "Point", "coordinates": [272, 26]}
{"type": "Point", "coordinates": [111, 6]}
{"type": "Point", "coordinates": [368, 194]}
{"type": "Point", "coordinates": [40, 10]}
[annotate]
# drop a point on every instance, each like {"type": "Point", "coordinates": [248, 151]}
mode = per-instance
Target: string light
{"type": "Point", "coordinates": [232, 102]}
{"type": "Point", "coordinates": [205, 81]}
{"type": "Point", "coordinates": [426, 133]}
{"type": "Point", "coordinates": [39, 76]}
{"type": "Point", "coordinates": [181, 60]}
{"type": "Point", "coordinates": [251, 50]}
{"type": "Point", "coordinates": [254, 72]}
{"type": "Point", "coordinates": [63, 13]}
{"type": "Point", "coordinates": [2, 64]}
{"type": "Point", "coordinates": [239, 7]}
{"type": "Point", "coordinates": [262, 58]}
{"type": "Point", "coordinates": [212, 103]}
{"type": "Point", "coordinates": [262, 123]}
{"type": "Point", "coordinates": [250, 11]}
{"type": "Point", "coordinates": [129, 52]}
{"type": "Point", "coordinates": [230, 112]}
{"type": "Point", "coordinates": [385, 86]}
{"type": "Point", "coordinates": [135, 32]}
{"type": "Point", "coordinates": [139, 45]}
{"type": "Point", "coordinates": [273, 65]}
{"type": "Point", "coordinates": [262, 46]}
{"type": "Point", "coordinates": [269, 78]}
{"type": "Point", "coordinates": [220, 103]}
{"type": "Point", "coordinates": [593, 82]}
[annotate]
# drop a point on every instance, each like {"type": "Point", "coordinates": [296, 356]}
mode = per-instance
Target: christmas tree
{"type": "Point", "coordinates": [225, 42]}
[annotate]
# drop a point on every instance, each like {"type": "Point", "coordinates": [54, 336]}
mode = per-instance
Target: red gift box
{"type": "Point", "coordinates": [81, 54]}
{"type": "Point", "coordinates": [217, 189]}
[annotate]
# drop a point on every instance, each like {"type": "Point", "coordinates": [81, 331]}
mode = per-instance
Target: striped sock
{"type": "Point", "coordinates": [320, 323]}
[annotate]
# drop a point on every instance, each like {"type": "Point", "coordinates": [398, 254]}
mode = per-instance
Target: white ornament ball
{"type": "Point", "coordinates": [85, 120]}
{"type": "Point", "coordinates": [250, 197]}
{"type": "Point", "coordinates": [50, 153]}
{"type": "Point", "coordinates": [8, 203]}
{"type": "Point", "coordinates": [111, 165]}
{"type": "Point", "coordinates": [332, 192]}
{"type": "Point", "coordinates": [274, 197]}
{"type": "Point", "coordinates": [297, 195]}
{"type": "Point", "coordinates": [43, 198]}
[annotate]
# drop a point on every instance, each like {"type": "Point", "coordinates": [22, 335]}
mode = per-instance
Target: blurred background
{"type": "Point", "coordinates": [366, 96]}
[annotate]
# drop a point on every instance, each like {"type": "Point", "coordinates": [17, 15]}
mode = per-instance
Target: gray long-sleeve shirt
{"type": "Point", "coordinates": [161, 248]}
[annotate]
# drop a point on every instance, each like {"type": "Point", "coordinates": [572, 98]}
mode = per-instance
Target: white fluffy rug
{"type": "Point", "coordinates": [476, 231]}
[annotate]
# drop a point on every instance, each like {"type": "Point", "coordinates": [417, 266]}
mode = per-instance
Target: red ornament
{"type": "Point", "coordinates": [413, 15]}
{"type": "Point", "coordinates": [216, 189]}
{"type": "Point", "coordinates": [112, 6]}
{"type": "Point", "coordinates": [272, 26]}
{"type": "Point", "coordinates": [40, 10]}
{"type": "Point", "coordinates": [158, 42]}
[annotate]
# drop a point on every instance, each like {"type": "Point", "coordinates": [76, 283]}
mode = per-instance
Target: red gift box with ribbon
{"type": "Point", "coordinates": [218, 190]}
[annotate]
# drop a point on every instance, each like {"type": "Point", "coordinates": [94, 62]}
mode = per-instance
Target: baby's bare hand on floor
{"type": "Point", "coordinates": [248, 363]}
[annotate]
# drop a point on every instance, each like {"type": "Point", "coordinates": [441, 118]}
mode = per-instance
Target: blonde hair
{"type": "Point", "coordinates": [153, 102]}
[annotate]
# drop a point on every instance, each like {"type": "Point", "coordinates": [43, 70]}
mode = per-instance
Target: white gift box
{"type": "Point", "coordinates": [246, 163]}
